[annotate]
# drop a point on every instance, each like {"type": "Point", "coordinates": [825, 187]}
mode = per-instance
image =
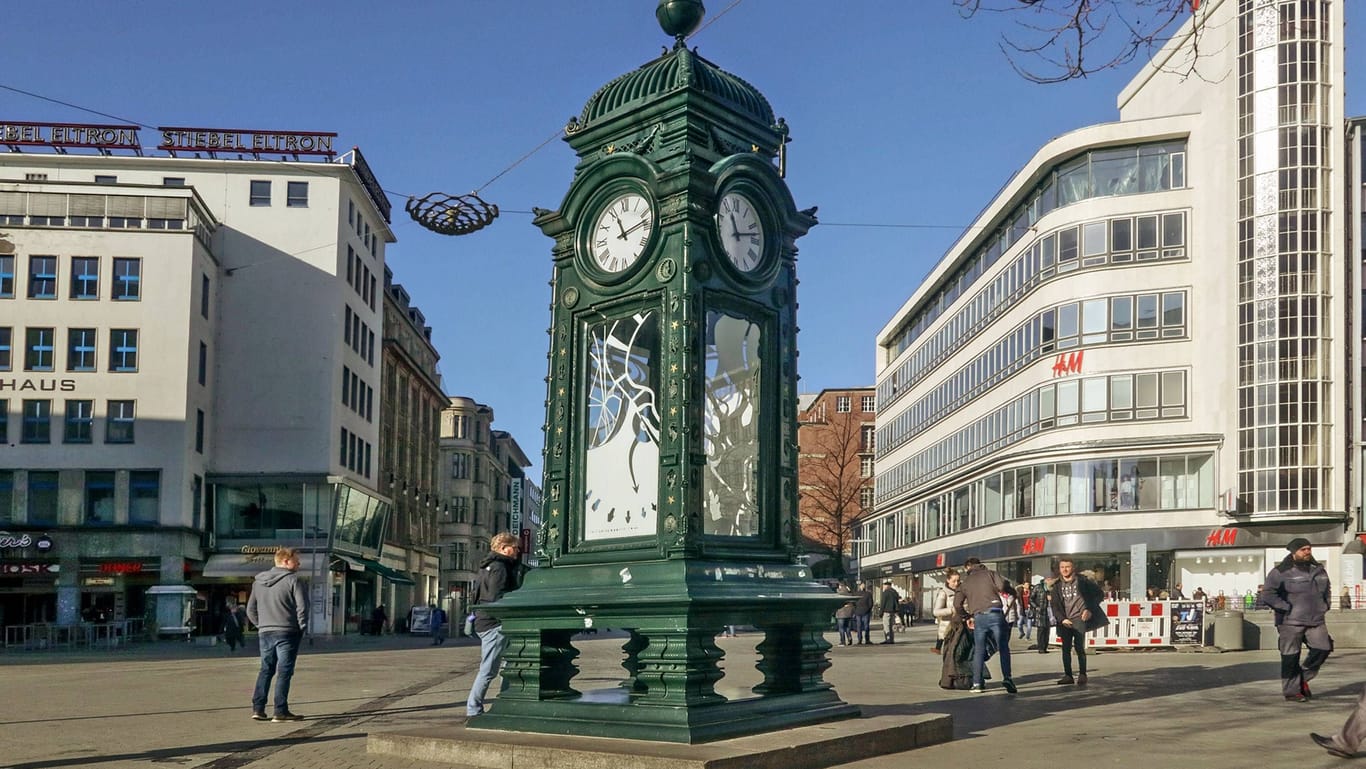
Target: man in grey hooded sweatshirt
{"type": "Point", "coordinates": [278, 607]}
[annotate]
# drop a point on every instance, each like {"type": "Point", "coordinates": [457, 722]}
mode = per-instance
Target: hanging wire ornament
{"type": "Point", "coordinates": [451, 214]}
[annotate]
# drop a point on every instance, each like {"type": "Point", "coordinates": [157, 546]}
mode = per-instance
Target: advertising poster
{"type": "Point", "coordinates": [1188, 623]}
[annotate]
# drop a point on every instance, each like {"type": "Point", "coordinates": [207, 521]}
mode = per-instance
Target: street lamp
{"type": "Point", "coordinates": [854, 556]}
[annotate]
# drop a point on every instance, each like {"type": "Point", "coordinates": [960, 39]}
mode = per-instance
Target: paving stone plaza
{"type": "Point", "coordinates": [187, 705]}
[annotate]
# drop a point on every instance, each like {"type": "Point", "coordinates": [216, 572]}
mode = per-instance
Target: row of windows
{"type": "Point", "coordinates": [144, 497]}
{"type": "Point", "coordinates": [125, 283]}
{"type": "Point", "coordinates": [78, 425]}
{"type": "Point", "coordinates": [296, 193]}
{"type": "Point", "coordinates": [359, 335]}
{"type": "Point", "coordinates": [354, 453]}
{"type": "Point", "coordinates": [52, 209]}
{"type": "Point", "coordinates": [40, 350]}
{"type": "Point", "coordinates": [1097, 173]}
{"type": "Point", "coordinates": [867, 404]}
{"type": "Point", "coordinates": [1099, 321]}
{"type": "Point", "coordinates": [360, 278]}
{"type": "Point", "coordinates": [1127, 484]}
{"type": "Point", "coordinates": [357, 395]}
{"type": "Point", "coordinates": [1092, 245]}
{"type": "Point", "coordinates": [467, 467]}
{"type": "Point", "coordinates": [1090, 400]}
{"type": "Point", "coordinates": [369, 237]}
{"type": "Point", "coordinates": [460, 511]}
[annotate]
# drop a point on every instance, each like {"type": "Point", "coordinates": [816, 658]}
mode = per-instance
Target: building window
{"type": "Point", "coordinates": [42, 497]}
{"type": "Point", "coordinates": [38, 352]}
{"type": "Point", "coordinates": [6, 277]}
{"type": "Point", "coordinates": [296, 195]}
{"type": "Point", "coordinates": [123, 349]}
{"type": "Point", "coordinates": [119, 422]}
{"type": "Point", "coordinates": [460, 509]}
{"type": "Point", "coordinates": [37, 422]}
{"type": "Point", "coordinates": [868, 404]}
{"type": "Point", "coordinates": [103, 179]}
{"type": "Point", "coordinates": [478, 511]}
{"type": "Point", "coordinates": [79, 416]}
{"type": "Point", "coordinates": [42, 277]}
{"type": "Point", "coordinates": [144, 496]}
{"type": "Point", "coordinates": [865, 499]}
{"type": "Point", "coordinates": [4, 431]}
{"type": "Point", "coordinates": [199, 431]}
{"type": "Point", "coordinates": [99, 496]}
{"type": "Point", "coordinates": [197, 501]}
{"type": "Point", "coordinates": [203, 363]}
{"type": "Point", "coordinates": [341, 457]}
{"type": "Point", "coordinates": [460, 466]}
{"type": "Point", "coordinates": [260, 192]}
{"type": "Point", "coordinates": [85, 277]}
{"type": "Point", "coordinates": [80, 349]}
{"type": "Point", "coordinates": [127, 279]}
{"type": "Point", "coordinates": [204, 295]}
{"type": "Point", "coordinates": [173, 181]}
{"type": "Point", "coordinates": [460, 556]}
{"type": "Point", "coordinates": [6, 492]}
{"type": "Point", "coordinates": [6, 348]}
{"type": "Point", "coordinates": [865, 467]}
{"type": "Point", "coordinates": [868, 438]}
{"type": "Point", "coordinates": [843, 404]}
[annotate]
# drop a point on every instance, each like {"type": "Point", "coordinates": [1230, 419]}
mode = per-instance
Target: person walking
{"type": "Point", "coordinates": [278, 607]}
{"type": "Point", "coordinates": [844, 617]}
{"type": "Point", "coordinates": [1076, 606]}
{"type": "Point", "coordinates": [1348, 740]}
{"type": "Point", "coordinates": [890, 605]}
{"type": "Point", "coordinates": [438, 621]}
{"type": "Point", "coordinates": [863, 613]}
{"type": "Point", "coordinates": [1043, 613]}
{"type": "Point", "coordinates": [378, 619]}
{"type": "Point", "coordinates": [979, 604]}
{"type": "Point", "coordinates": [943, 608]}
{"type": "Point", "coordinates": [234, 624]}
{"type": "Point", "coordinates": [1299, 591]}
{"type": "Point", "coordinates": [499, 573]}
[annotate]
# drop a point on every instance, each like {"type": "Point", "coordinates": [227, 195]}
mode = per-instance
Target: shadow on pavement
{"type": "Point", "coordinates": [172, 755]}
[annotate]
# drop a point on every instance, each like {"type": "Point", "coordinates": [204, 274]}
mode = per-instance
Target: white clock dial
{"type": "Point", "coordinates": [741, 231]}
{"type": "Point", "coordinates": [621, 232]}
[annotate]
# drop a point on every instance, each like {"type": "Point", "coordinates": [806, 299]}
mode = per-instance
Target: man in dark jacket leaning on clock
{"type": "Point", "coordinates": [1075, 599]}
{"type": "Point", "coordinates": [500, 572]}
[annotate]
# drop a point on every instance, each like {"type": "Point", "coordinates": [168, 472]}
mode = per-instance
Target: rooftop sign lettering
{"type": "Point", "coordinates": [61, 136]}
{"type": "Point", "coordinates": [179, 139]}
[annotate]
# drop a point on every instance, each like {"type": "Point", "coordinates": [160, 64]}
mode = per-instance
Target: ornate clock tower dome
{"type": "Point", "coordinates": [670, 490]}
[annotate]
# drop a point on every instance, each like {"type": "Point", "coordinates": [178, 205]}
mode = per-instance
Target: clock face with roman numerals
{"type": "Point", "coordinates": [621, 232]}
{"type": "Point", "coordinates": [741, 231]}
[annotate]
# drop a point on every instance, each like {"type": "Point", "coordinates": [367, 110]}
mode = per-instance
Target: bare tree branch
{"type": "Point", "coordinates": [1071, 39]}
{"type": "Point", "coordinates": [829, 472]}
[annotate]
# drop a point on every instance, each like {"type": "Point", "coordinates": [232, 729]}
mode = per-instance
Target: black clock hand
{"type": "Point", "coordinates": [620, 229]}
{"type": "Point", "coordinates": [734, 229]}
{"type": "Point", "coordinates": [635, 227]}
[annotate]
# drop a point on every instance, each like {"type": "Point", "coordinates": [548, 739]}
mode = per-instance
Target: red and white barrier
{"type": "Point", "coordinates": [1132, 624]}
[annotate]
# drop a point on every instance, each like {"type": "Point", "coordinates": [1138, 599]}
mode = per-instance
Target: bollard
{"type": "Point", "coordinates": [1228, 630]}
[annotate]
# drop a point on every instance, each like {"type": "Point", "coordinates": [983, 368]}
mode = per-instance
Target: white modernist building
{"type": "Point", "coordinates": [189, 352]}
{"type": "Point", "coordinates": [1139, 354]}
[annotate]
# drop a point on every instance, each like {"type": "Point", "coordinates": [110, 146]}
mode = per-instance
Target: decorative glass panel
{"type": "Point", "coordinates": [731, 427]}
{"type": "Point", "coordinates": [621, 463]}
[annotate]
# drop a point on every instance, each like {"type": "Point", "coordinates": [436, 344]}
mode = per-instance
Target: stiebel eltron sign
{"type": "Point", "coordinates": [176, 139]}
{"type": "Point", "coordinates": [103, 137]}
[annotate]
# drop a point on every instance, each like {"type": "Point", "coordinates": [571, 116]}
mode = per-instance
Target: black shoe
{"type": "Point", "coordinates": [1081, 679]}
{"type": "Point", "coordinates": [1065, 680]}
{"type": "Point", "coordinates": [1009, 685]}
{"type": "Point", "coordinates": [883, 643]}
{"type": "Point", "coordinates": [280, 718]}
{"type": "Point", "coordinates": [1330, 745]}
{"type": "Point", "coordinates": [260, 717]}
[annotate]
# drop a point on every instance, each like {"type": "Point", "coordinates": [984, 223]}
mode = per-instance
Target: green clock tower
{"type": "Point", "coordinates": [670, 489]}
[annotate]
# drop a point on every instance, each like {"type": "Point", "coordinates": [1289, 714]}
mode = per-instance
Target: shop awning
{"type": "Point", "coordinates": [380, 569]}
{"type": "Point", "coordinates": [239, 566]}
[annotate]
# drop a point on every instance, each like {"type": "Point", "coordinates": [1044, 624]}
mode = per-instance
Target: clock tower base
{"type": "Point", "coordinates": [673, 611]}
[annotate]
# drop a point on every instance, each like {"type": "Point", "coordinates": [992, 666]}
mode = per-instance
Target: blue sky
{"type": "Point", "coordinates": [903, 114]}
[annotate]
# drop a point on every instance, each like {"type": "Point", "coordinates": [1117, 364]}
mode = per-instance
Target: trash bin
{"type": "Point", "coordinates": [1228, 630]}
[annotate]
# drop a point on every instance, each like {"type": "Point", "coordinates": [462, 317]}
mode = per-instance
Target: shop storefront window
{"type": "Point", "coordinates": [99, 496]}
{"type": "Point", "coordinates": [6, 495]}
{"type": "Point", "coordinates": [262, 511]}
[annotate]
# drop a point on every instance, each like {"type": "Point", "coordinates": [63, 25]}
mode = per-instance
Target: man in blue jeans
{"type": "Point", "coordinates": [278, 607]}
{"type": "Point", "coordinates": [979, 603]}
{"type": "Point", "coordinates": [500, 572]}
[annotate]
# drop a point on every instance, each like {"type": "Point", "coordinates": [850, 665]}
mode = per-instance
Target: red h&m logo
{"type": "Point", "coordinates": [1033, 546]}
{"type": "Point", "coordinates": [939, 561]}
{"type": "Point", "coordinates": [1221, 538]}
{"type": "Point", "coordinates": [1067, 363]}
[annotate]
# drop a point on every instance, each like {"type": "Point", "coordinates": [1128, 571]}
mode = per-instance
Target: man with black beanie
{"type": "Point", "coordinates": [1299, 591]}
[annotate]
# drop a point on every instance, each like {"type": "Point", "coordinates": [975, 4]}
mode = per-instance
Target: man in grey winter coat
{"type": "Point", "coordinates": [1299, 591]}
{"type": "Point", "coordinates": [278, 607]}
